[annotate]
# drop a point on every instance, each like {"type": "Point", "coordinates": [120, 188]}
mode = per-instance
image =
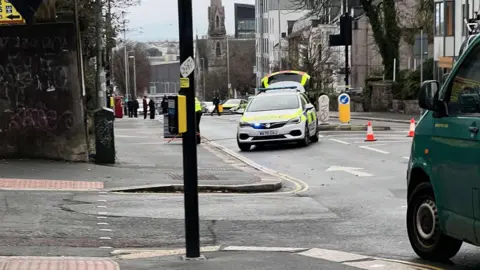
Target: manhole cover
{"type": "Point", "coordinates": [201, 176]}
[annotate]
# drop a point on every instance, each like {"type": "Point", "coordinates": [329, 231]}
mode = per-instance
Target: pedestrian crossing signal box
{"type": "Point", "coordinates": [177, 114]}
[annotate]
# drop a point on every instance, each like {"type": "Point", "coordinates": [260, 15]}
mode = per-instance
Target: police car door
{"type": "Point", "coordinates": [308, 115]}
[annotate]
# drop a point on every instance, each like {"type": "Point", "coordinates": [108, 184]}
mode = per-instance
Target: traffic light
{"type": "Point", "coordinates": [346, 29]}
{"type": "Point", "coordinates": [345, 36]}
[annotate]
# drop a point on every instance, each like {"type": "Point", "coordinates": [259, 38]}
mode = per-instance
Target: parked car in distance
{"type": "Point", "coordinates": [206, 105]}
{"type": "Point", "coordinates": [233, 104]}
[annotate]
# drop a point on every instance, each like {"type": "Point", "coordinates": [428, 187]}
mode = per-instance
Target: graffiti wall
{"type": "Point", "coordinates": [41, 111]}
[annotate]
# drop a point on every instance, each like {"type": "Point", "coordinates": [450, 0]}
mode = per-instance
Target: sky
{"type": "Point", "coordinates": [155, 20]}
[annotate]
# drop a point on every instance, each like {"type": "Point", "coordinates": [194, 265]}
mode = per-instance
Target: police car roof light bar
{"type": "Point", "coordinates": [276, 88]}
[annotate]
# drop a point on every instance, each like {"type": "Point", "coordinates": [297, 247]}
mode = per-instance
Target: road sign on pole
{"type": "Point", "coordinates": [344, 108]}
{"type": "Point", "coordinates": [190, 170]}
{"type": "Point", "coordinates": [8, 13]}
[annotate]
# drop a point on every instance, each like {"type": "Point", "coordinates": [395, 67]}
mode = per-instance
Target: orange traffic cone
{"type": "Point", "coordinates": [370, 136]}
{"type": "Point", "coordinates": [411, 132]}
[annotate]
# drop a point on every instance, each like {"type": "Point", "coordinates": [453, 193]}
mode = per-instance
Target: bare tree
{"type": "Point", "coordinates": [242, 60]}
{"type": "Point", "coordinates": [309, 51]}
{"type": "Point", "coordinates": [216, 83]}
{"type": "Point", "coordinates": [384, 19]}
{"type": "Point", "coordinates": [142, 67]}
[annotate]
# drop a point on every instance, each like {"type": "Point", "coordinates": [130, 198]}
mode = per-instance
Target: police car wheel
{"type": "Point", "coordinates": [244, 146]}
{"type": "Point", "coordinates": [306, 139]}
{"type": "Point", "coordinates": [314, 138]}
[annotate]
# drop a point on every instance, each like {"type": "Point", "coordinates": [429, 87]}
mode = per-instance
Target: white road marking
{"type": "Point", "coordinates": [404, 206]}
{"type": "Point", "coordinates": [270, 249]}
{"type": "Point", "coordinates": [406, 157]}
{"type": "Point", "coordinates": [102, 213]}
{"type": "Point", "coordinates": [101, 217]}
{"type": "Point", "coordinates": [106, 230]}
{"type": "Point", "coordinates": [387, 141]}
{"type": "Point", "coordinates": [339, 141]}
{"type": "Point", "coordinates": [105, 247]}
{"type": "Point", "coordinates": [320, 136]}
{"type": "Point", "coordinates": [332, 255]}
{"type": "Point", "coordinates": [374, 149]}
{"type": "Point", "coordinates": [351, 170]}
{"type": "Point", "coordinates": [138, 137]}
{"type": "Point", "coordinates": [101, 206]}
{"type": "Point", "coordinates": [102, 223]}
{"type": "Point", "coordinates": [105, 238]}
{"type": "Point", "coordinates": [101, 200]}
{"type": "Point", "coordinates": [149, 143]}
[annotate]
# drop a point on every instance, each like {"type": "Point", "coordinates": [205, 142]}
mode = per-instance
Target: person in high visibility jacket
{"type": "Point", "coordinates": [198, 116]}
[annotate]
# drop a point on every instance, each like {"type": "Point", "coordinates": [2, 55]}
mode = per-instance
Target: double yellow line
{"type": "Point", "coordinates": [300, 186]}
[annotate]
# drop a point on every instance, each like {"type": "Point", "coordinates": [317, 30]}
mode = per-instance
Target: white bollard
{"type": "Point", "coordinates": [323, 110]}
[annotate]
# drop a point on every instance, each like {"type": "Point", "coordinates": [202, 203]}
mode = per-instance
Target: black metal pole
{"type": "Point", "coordinates": [190, 182]}
{"type": "Point", "coordinates": [346, 47]}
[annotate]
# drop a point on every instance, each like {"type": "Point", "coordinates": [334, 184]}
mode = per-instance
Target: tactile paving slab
{"type": "Point", "coordinates": [57, 263]}
{"type": "Point", "coordinates": [33, 184]}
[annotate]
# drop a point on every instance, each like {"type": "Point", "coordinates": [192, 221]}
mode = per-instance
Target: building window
{"type": "Point", "coordinates": [218, 50]}
{"type": "Point", "coordinates": [444, 18]}
{"type": "Point", "coordinates": [217, 22]}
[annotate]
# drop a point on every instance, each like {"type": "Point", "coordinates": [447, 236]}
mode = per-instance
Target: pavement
{"type": "Point", "coordinates": [145, 162]}
{"type": "Point", "coordinates": [380, 116]}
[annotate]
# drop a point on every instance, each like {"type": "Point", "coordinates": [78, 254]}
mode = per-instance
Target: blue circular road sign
{"type": "Point", "coordinates": [344, 99]}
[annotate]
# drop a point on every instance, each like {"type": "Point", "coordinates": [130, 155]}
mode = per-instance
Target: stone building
{"type": "Point", "coordinates": [211, 53]}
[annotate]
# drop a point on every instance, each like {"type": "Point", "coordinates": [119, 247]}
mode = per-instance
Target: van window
{"type": "Point", "coordinates": [464, 90]}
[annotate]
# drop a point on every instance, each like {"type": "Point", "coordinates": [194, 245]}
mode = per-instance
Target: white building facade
{"type": "Point", "coordinates": [450, 31]}
{"type": "Point", "coordinates": [274, 21]}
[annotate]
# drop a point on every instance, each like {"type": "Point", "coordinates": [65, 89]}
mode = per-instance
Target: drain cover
{"type": "Point", "coordinates": [201, 176]}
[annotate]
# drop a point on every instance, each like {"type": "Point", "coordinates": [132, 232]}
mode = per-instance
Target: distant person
{"type": "Point", "coordinates": [130, 106]}
{"type": "Point", "coordinates": [198, 116]}
{"type": "Point", "coordinates": [216, 103]}
{"type": "Point", "coordinates": [164, 105]}
{"type": "Point", "coordinates": [145, 107]}
{"type": "Point", "coordinates": [151, 106]}
{"type": "Point", "coordinates": [135, 110]}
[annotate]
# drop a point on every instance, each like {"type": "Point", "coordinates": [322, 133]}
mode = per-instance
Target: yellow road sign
{"type": "Point", "coordinates": [8, 13]}
{"type": "Point", "coordinates": [184, 82]}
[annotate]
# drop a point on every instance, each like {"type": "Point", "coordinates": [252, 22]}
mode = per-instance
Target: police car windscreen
{"type": "Point", "coordinates": [285, 77]}
{"type": "Point", "coordinates": [273, 103]}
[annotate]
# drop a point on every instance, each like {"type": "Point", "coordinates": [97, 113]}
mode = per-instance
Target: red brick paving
{"type": "Point", "coordinates": [20, 184]}
{"type": "Point", "coordinates": [56, 263]}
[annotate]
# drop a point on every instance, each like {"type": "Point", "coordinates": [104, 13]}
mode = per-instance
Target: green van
{"type": "Point", "coordinates": [443, 175]}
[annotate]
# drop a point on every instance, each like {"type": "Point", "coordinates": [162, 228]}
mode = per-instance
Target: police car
{"type": "Point", "coordinates": [278, 114]}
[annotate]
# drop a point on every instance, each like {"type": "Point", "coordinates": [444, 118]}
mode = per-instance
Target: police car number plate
{"type": "Point", "coordinates": [268, 133]}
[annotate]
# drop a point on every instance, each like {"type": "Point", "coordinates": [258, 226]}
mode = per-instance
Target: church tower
{"type": "Point", "coordinates": [217, 35]}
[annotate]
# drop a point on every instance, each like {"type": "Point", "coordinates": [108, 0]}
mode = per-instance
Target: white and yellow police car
{"type": "Point", "coordinates": [278, 114]}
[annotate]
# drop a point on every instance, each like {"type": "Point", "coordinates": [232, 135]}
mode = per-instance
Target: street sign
{"type": "Point", "coordinates": [344, 99]}
{"type": "Point", "coordinates": [355, 171]}
{"type": "Point", "coordinates": [8, 13]}
{"type": "Point", "coordinates": [187, 67]}
{"type": "Point", "coordinates": [184, 82]}
{"type": "Point", "coordinates": [344, 108]}
{"type": "Point", "coordinates": [323, 109]}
